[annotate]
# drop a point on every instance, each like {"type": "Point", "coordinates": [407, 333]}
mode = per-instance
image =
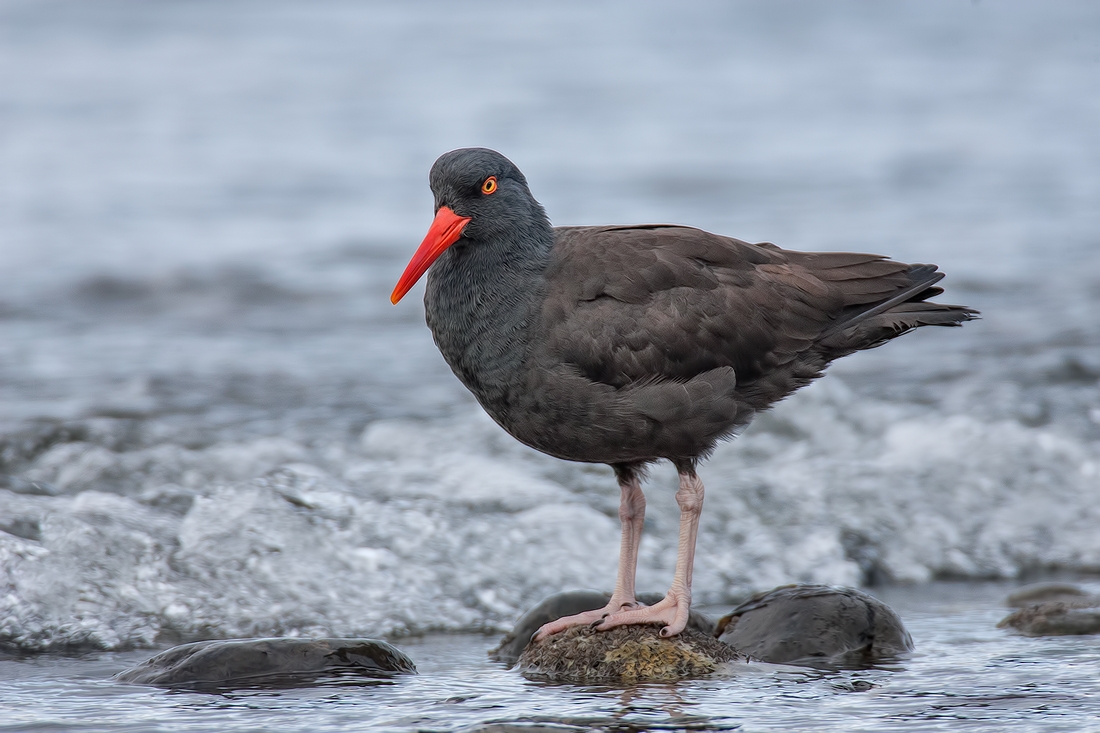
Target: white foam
{"type": "Point", "coordinates": [451, 524]}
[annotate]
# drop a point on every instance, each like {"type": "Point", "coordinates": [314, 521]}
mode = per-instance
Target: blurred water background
{"type": "Point", "coordinates": [214, 424]}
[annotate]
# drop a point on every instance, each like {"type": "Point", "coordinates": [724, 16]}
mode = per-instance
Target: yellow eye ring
{"type": "Point", "coordinates": [490, 185]}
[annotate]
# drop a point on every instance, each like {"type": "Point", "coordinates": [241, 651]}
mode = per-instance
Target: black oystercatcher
{"type": "Point", "coordinates": [627, 344]}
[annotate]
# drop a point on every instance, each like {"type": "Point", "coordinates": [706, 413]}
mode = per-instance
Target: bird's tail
{"type": "Point", "coordinates": [874, 324]}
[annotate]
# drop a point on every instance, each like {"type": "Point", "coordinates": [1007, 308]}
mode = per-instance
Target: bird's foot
{"type": "Point", "coordinates": [587, 618]}
{"type": "Point", "coordinates": [672, 611]}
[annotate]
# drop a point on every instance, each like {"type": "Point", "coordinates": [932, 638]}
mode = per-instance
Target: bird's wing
{"type": "Point", "coordinates": [648, 303]}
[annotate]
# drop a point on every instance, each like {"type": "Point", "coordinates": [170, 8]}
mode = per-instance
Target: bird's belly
{"type": "Point", "coordinates": [562, 413]}
{"type": "Point", "coordinates": [558, 428]}
{"type": "Point", "coordinates": [553, 407]}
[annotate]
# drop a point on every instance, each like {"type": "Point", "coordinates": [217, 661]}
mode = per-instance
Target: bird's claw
{"type": "Point", "coordinates": [671, 611]}
{"type": "Point", "coordinates": [587, 618]}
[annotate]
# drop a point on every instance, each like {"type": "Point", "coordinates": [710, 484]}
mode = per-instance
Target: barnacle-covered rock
{"type": "Point", "coordinates": [625, 655]}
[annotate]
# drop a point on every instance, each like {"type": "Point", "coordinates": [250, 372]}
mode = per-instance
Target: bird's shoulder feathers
{"type": "Point", "coordinates": [655, 302]}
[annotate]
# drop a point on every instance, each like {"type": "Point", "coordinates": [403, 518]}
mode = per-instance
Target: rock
{"type": "Point", "coordinates": [1042, 592]}
{"type": "Point", "coordinates": [624, 655]}
{"type": "Point", "coordinates": [568, 603]}
{"type": "Point", "coordinates": [1052, 609]}
{"type": "Point", "coordinates": [1056, 618]}
{"type": "Point", "coordinates": [815, 625]}
{"type": "Point", "coordinates": [279, 662]}
{"type": "Point", "coordinates": [549, 609]}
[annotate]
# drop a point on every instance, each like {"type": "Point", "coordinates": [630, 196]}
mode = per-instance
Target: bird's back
{"type": "Point", "coordinates": [688, 333]}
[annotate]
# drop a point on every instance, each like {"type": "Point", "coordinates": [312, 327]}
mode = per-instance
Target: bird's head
{"type": "Point", "coordinates": [479, 196]}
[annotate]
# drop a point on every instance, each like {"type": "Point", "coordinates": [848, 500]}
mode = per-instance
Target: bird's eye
{"type": "Point", "coordinates": [490, 185]}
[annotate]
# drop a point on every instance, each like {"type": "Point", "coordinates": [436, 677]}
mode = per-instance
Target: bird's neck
{"type": "Point", "coordinates": [482, 302]}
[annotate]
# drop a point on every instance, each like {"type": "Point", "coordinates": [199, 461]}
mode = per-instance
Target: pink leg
{"type": "Point", "coordinates": [673, 609]}
{"type": "Point", "coordinates": [632, 516]}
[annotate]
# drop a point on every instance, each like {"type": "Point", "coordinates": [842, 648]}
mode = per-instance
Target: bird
{"type": "Point", "coordinates": [627, 345]}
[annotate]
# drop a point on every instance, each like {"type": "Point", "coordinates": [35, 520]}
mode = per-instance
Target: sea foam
{"type": "Point", "coordinates": [448, 523]}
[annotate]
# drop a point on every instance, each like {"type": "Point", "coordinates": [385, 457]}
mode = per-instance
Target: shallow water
{"type": "Point", "coordinates": [966, 675]}
{"type": "Point", "coordinates": [213, 423]}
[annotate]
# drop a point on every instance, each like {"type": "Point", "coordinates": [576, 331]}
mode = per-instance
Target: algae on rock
{"type": "Point", "coordinates": [625, 654]}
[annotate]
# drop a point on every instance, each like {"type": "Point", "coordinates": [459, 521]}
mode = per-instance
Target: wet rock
{"type": "Point", "coordinates": [815, 625]}
{"type": "Point", "coordinates": [277, 662]}
{"type": "Point", "coordinates": [1044, 592]}
{"type": "Point", "coordinates": [568, 603]}
{"type": "Point", "coordinates": [624, 655]}
{"type": "Point", "coordinates": [1052, 609]}
{"type": "Point", "coordinates": [1056, 618]}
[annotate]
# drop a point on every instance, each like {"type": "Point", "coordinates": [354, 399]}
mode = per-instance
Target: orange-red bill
{"type": "Point", "coordinates": [444, 231]}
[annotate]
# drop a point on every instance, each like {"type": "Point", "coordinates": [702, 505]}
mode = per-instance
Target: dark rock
{"type": "Point", "coordinates": [815, 625]}
{"type": "Point", "coordinates": [1056, 618]}
{"type": "Point", "coordinates": [568, 603]}
{"type": "Point", "coordinates": [268, 662]}
{"type": "Point", "coordinates": [624, 655]}
{"type": "Point", "coordinates": [1043, 592]}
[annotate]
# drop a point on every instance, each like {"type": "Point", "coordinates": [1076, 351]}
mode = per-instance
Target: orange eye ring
{"type": "Point", "coordinates": [490, 185]}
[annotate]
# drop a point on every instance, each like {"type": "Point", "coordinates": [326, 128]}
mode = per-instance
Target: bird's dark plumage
{"type": "Point", "coordinates": [628, 344]}
{"type": "Point", "coordinates": [701, 330]}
